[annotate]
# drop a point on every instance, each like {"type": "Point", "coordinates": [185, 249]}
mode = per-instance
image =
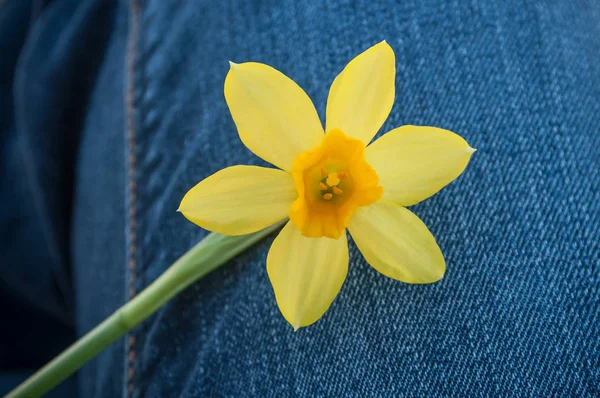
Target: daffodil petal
{"type": "Point", "coordinates": [275, 118]}
{"type": "Point", "coordinates": [414, 162]}
{"type": "Point", "coordinates": [397, 243]}
{"type": "Point", "coordinates": [362, 95]}
{"type": "Point", "coordinates": [240, 200]}
{"type": "Point", "coordinates": [306, 274]}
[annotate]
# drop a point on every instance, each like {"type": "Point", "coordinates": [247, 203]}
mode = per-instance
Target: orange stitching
{"type": "Point", "coordinates": [134, 7]}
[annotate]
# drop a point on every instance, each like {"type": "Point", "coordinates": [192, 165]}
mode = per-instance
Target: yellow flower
{"type": "Point", "coordinates": [329, 182]}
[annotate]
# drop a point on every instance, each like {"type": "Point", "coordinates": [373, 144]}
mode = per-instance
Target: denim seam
{"type": "Point", "coordinates": [133, 35]}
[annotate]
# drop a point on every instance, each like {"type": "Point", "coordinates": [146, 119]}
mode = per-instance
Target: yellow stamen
{"type": "Point", "coordinates": [342, 176]}
{"type": "Point", "coordinates": [323, 187]}
{"type": "Point", "coordinates": [337, 191]}
{"type": "Point", "coordinates": [323, 173]}
{"type": "Point", "coordinates": [332, 179]}
{"type": "Point", "coordinates": [327, 196]}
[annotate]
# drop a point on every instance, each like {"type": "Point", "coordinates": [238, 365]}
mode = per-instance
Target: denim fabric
{"type": "Point", "coordinates": [35, 315]}
{"type": "Point", "coordinates": [50, 55]}
{"type": "Point", "coordinates": [517, 313]}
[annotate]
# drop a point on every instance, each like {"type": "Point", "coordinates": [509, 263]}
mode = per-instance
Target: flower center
{"type": "Point", "coordinates": [332, 180]}
{"type": "Point", "coordinates": [329, 184]}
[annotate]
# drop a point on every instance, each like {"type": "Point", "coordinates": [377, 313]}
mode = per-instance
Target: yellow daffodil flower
{"type": "Point", "coordinates": [329, 180]}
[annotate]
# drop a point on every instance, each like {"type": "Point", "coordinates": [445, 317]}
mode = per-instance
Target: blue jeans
{"type": "Point", "coordinates": [111, 111]}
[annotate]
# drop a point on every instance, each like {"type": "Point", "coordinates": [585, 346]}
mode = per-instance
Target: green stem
{"type": "Point", "coordinates": [210, 253]}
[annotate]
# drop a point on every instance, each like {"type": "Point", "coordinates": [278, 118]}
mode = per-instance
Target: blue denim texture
{"type": "Point", "coordinates": [119, 110]}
